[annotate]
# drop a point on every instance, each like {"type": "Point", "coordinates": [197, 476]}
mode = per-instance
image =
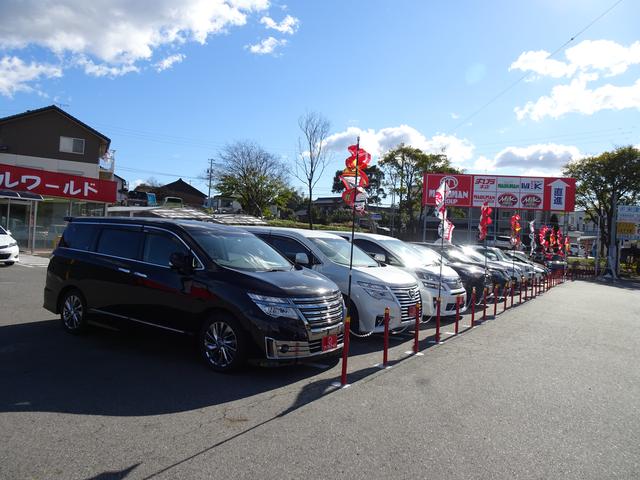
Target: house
{"type": "Point", "coordinates": [52, 165]}
{"type": "Point", "coordinates": [189, 195]}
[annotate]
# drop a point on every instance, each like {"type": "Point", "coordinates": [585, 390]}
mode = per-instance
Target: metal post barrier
{"type": "Point", "coordinates": [484, 304]}
{"type": "Point", "coordinates": [385, 355]}
{"type": "Point", "coordinates": [416, 331]}
{"type": "Point", "coordinates": [505, 294]}
{"type": "Point", "coordinates": [526, 287]}
{"type": "Point", "coordinates": [473, 305]}
{"type": "Point", "coordinates": [522, 282]}
{"type": "Point", "coordinates": [513, 287]}
{"type": "Point", "coordinates": [495, 300]}
{"type": "Point", "coordinates": [534, 285]}
{"type": "Point", "coordinates": [345, 350]}
{"type": "Point", "coordinates": [438, 320]}
{"type": "Point", "coordinates": [457, 314]}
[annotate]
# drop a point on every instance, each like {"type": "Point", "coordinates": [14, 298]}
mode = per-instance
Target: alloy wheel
{"type": "Point", "coordinates": [72, 312]}
{"type": "Point", "coordinates": [221, 344]}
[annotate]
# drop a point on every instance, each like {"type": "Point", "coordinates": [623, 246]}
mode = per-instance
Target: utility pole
{"type": "Point", "coordinates": [210, 177]}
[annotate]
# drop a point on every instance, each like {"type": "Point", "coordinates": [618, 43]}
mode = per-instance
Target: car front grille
{"type": "Point", "coordinates": [321, 311]}
{"type": "Point", "coordinates": [407, 297]}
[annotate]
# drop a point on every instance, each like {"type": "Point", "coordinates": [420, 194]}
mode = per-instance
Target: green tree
{"type": "Point", "coordinates": [248, 172]}
{"type": "Point", "coordinates": [405, 167]}
{"type": "Point", "coordinates": [375, 190]}
{"type": "Point", "coordinates": [603, 178]}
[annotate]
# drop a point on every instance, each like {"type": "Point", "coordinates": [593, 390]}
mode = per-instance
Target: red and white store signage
{"type": "Point", "coordinates": [522, 193]}
{"type": "Point", "coordinates": [56, 184]}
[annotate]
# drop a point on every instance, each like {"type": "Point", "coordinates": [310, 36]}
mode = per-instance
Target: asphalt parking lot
{"type": "Point", "coordinates": [549, 389]}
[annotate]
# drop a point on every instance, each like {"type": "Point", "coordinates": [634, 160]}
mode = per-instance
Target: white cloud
{"type": "Point", "coordinates": [542, 158]}
{"type": "Point", "coordinates": [377, 143]}
{"type": "Point", "coordinates": [266, 46]}
{"type": "Point", "coordinates": [602, 56]}
{"type": "Point", "coordinates": [454, 115]}
{"type": "Point", "coordinates": [539, 63]}
{"type": "Point", "coordinates": [15, 74]}
{"type": "Point", "coordinates": [114, 37]}
{"type": "Point", "coordinates": [136, 183]}
{"type": "Point", "coordinates": [104, 70]}
{"type": "Point", "coordinates": [169, 61]}
{"type": "Point", "coordinates": [577, 98]}
{"type": "Point", "coordinates": [288, 25]}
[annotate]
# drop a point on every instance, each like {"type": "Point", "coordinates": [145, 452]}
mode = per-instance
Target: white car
{"type": "Point", "coordinates": [397, 253]}
{"type": "Point", "coordinates": [372, 287]}
{"type": "Point", "coordinates": [9, 251]}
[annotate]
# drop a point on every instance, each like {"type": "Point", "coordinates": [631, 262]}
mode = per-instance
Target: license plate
{"type": "Point", "coordinates": [329, 342]}
{"type": "Point", "coordinates": [412, 311]}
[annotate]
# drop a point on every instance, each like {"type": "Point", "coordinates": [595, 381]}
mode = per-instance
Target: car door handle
{"type": "Point", "coordinates": [139, 274]}
{"type": "Point", "coordinates": [124, 270]}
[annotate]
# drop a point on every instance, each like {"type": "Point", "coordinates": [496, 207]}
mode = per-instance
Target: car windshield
{"type": "Point", "coordinates": [338, 250]}
{"type": "Point", "coordinates": [429, 256]}
{"type": "Point", "coordinates": [455, 255]}
{"type": "Point", "coordinates": [474, 254]}
{"type": "Point", "coordinates": [3, 231]}
{"type": "Point", "coordinates": [405, 252]}
{"type": "Point", "coordinates": [241, 252]}
{"type": "Point", "coordinates": [501, 256]}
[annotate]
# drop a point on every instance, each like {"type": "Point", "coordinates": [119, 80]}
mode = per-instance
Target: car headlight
{"type": "Point", "coordinates": [376, 290]}
{"type": "Point", "coordinates": [13, 244]}
{"type": "Point", "coordinates": [274, 306]}
{"type": "Point", "coordinates": [429, 280]}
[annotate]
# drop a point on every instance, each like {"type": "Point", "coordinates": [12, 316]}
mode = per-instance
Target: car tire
{"type": "Point", "coordinates": [223, 343]}
{"type": "Point", "coordinates": [354, 324]}
{"type": "Point", "coordinates": [73, 312]}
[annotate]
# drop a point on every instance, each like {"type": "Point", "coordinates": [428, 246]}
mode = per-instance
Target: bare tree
{"type": "Point", "coordinates": [248, 172]}
{"type": "Point", "coordinates": [312, 156]}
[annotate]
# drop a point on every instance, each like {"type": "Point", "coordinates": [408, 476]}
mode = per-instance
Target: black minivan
{"type": "Point", "coordinates": [235, 292]}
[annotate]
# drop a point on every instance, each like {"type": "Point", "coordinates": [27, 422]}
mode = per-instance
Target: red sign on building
{"type": "Point", "coordinates": [56, 184]}
{"type": "Point", "coordinates": [459, 186]}
{"type": "Point", "coordinates": [503, 191]}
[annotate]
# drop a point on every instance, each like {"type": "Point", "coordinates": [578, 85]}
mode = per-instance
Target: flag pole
{"type": "Point", "coordinates": [443, 222]}
{"type": "Point", "coordinates": [347, 323]}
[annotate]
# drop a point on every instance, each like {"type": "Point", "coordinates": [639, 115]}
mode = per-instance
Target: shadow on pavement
{"type": "Point", "coordinates": [116, 474]}
{"type": "Point", "coordinates": [127, 373]}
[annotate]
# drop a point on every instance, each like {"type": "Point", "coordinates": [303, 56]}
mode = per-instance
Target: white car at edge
{"type": "Point", "coordinates": [373, 287]}
{"type": "Point", "coordinates": [407, 257]}
{"type": "Point", "coordinates": [9, 251]}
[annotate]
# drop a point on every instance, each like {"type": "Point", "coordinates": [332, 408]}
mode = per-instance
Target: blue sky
{"type": "Point", "coordinates": [172, 82]}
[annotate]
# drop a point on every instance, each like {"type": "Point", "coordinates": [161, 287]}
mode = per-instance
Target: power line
{"type": "Point", "coordinates": [509, 87]}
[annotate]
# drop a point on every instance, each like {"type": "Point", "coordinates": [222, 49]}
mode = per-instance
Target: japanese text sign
{"type": "Point", "coordinates": [522, 193]}
{"type": "Point", "coordinates": [21, 179]}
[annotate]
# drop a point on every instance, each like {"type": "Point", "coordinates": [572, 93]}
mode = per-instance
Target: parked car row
{"type": "Point", "coordinates": [257, 292]}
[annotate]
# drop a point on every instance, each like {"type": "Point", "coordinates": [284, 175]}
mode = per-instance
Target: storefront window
{"type": "Point", "coordinates": [87, 209]}
{"type": "Point", "coordinates": [50, 223]}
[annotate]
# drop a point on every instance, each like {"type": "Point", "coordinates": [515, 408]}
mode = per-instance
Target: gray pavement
{"type": "Point", "coordinates": [549, 389]}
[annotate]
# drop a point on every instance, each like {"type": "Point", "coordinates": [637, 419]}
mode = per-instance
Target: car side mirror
{"type": "Point", "coordinates": [302, 259]}
{"type": "Point", "coordinates": [380, 258]}
{"type": "Point", "coordinates": [181, 262]}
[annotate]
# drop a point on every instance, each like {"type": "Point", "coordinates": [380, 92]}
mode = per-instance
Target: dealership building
{"type": "Point", "coordinates": [52, 165]}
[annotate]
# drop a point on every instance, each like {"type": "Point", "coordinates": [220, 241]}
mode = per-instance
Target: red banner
{"type": "Point", "coordinates": [459, 187]}
{"type": "Point", "coordinates": [56, 184]}
{"type": "Point", "coordinates": [500, 191]}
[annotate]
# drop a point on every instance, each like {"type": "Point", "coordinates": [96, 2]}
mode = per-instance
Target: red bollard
{"type": "Point", "coordinates": [345, 350]}
{"type": "Point", "coordinates": [505, 294]}
{"type": "Point", "coordinates": [416, 331]}
{"type": "Point", "coordinates": [457, 315]}
{"type": "Point", "coordinates": [522, 282]}
{"type": "Point", "coordinates": [513, 287]}
{"type": "Point", "coordinates": [495, 300]}
{"type": "Point", "coordinates": [473, 305]}
{"type": "Point", "coordinates": [385, 354]}
{"type": "Point", "coordinates": [438, 320]}
{"type": "Point", "coordinates": [484, 302]}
